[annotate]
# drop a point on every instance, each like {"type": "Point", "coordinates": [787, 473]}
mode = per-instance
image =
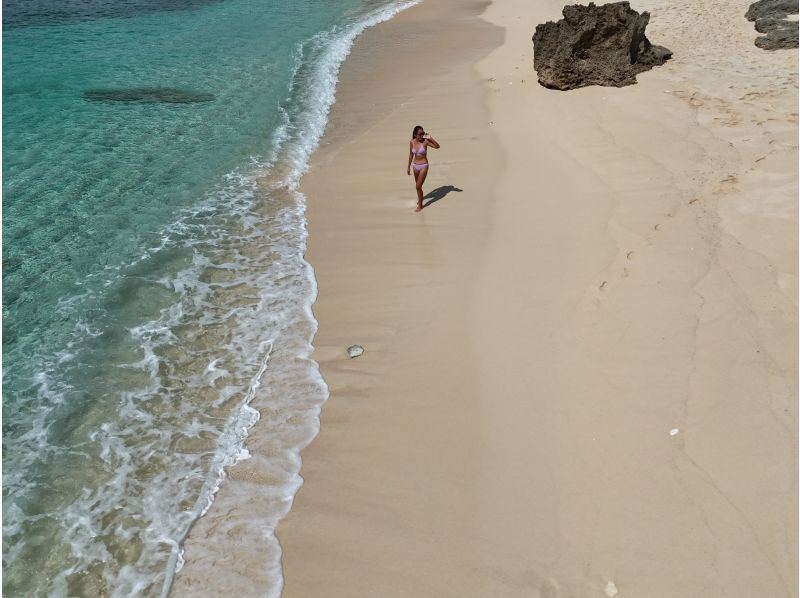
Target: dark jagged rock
{"type": "Point", "coordinates": [147, 95]}
{"type": "Point", "coordinates": [770, 18]}
{"type": "Point", "coordinates": [595, 45]}
{"type": "Point", "coordinates": [777, 9]}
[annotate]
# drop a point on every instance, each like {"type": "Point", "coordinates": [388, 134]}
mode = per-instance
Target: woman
{"type": "Point", "coordinates": [418, 158]}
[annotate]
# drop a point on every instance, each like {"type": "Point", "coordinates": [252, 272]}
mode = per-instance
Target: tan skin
{"type": "Point", "coordinates": [420, 139]}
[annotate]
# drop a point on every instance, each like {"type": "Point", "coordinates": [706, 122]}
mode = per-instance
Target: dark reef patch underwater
{"type": "Point", "coordinates": [166, 95]}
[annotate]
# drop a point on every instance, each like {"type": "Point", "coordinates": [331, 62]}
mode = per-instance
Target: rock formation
{"type": "Point", "coordinates": [148, 95]}
{"type": "Point", "coordinates": [770, 18]}
{"type": "Point", "coordinates": [594, 45]}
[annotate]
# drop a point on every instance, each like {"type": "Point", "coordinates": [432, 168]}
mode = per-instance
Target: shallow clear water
{"type": "Point", "coordinates": [152, 266]}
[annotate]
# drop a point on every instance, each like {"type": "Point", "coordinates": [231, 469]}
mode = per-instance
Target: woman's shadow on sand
{"type": "Point", "coordinates": [438, 194]}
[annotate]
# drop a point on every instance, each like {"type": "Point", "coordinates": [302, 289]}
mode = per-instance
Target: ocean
{"type": "Point", "coordinates": [153, 272]}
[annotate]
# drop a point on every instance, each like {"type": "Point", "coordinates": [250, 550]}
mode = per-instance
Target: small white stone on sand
{"type": "Point", "coordinates": [611, 589]}
{"type": "Point", "coordinates": [674, 432]}
{"type": "Point", "coordinates": [355, 350]}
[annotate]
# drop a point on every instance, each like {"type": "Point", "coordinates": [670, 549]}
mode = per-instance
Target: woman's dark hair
{"type": "Point", "coordinates": [417, 128]}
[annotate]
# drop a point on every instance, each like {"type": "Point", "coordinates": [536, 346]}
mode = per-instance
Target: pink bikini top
{"type": "Point", "coordinates": [422, 151]}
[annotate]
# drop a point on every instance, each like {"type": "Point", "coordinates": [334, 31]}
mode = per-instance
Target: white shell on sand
{"type": "Point", "coordinates": [355, 350]}
{"type": "Point", "coordinates": [674, 432]}
{"type": "Point", "coordinates": [611, 589]}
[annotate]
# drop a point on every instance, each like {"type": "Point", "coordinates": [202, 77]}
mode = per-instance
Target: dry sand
{"type": "Point", "coordinates": [618, 264]}
{"type": "Point", "coordinates": [581, 359]}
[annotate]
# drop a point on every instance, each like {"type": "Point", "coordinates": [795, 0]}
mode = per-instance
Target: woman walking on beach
{"type": "Point", "coordinates": [418, 158]}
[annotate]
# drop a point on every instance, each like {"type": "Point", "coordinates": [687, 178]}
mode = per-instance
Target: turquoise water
{"type": "Point", "coordinates": [153, 280]}
{"type": "Point", "coordinates": [85, 182]}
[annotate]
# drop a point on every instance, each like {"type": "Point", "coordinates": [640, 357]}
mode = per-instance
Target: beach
{"type": "Point", "coordinates": [579, 374]}
{"type": "Point", "coordinates": [237, 362]}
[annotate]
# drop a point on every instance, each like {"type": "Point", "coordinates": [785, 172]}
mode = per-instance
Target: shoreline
{"type": "Point", "coordinates": [531, 350]}
{"type": "Point", "coordinates": [232, 546]}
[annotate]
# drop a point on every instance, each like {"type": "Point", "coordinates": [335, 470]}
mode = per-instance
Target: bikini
{"type": "Point", "coordinates": [422, 151]}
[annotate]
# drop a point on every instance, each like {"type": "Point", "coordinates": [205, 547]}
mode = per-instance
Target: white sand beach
{"type": "Point", "coordinates": [580, 366]}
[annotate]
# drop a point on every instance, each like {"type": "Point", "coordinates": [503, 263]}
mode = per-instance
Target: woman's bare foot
{"type": "Point", "coordinates": [419, 208]}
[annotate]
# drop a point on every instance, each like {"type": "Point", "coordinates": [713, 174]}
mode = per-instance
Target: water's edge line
{"type": "Point", "coordinates": [387, 13]}
{"type": "Point", "coordinates": [309, 309]}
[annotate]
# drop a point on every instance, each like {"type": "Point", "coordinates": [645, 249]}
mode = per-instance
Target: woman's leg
{"type": "Point", "coordinates": [419, 177]}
